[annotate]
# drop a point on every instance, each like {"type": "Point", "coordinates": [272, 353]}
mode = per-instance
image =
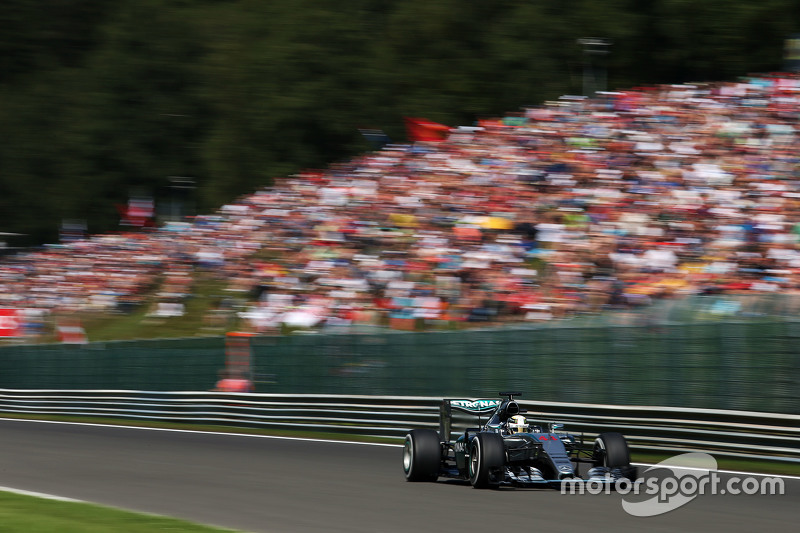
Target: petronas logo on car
{"type": "Point", "coordinates": [475, 405]}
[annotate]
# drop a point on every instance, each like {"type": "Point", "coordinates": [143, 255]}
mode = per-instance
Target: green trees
{"type": "Point", "coordinates": [100, 100]}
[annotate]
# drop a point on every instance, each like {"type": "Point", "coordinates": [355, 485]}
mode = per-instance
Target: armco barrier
{"type": "Point", "coordinates": [721, 432]}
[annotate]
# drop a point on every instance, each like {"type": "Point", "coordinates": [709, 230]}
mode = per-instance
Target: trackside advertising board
{"type": "Point", "coordinates": [10, 323]}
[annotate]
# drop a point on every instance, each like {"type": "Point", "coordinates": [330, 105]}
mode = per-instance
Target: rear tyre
{"type": "Point", "coordinates": [422, 454]}
{"type": "Point", "coordinates": [611, 451]}
{"type": "Point", "coordinates": [486, 456]}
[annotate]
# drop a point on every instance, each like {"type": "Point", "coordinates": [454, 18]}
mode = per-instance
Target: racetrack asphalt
{"type": "Point", "coordinates": [295, 486]}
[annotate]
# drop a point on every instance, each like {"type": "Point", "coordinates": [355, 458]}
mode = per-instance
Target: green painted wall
{"type": "Point", "coordinates": [724, 365]}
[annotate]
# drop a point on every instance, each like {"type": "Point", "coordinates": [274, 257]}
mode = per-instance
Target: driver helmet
{"type": "Point", "coordinates": [517, 424]}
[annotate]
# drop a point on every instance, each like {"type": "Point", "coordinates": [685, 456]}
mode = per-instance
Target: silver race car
{"type": "Point", "coordinates": [506, 450]}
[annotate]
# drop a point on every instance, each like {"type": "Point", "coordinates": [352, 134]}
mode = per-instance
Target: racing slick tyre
{"type": "Point", "coordinates": [486, 455]}
{"type": "Point", "coordinates": [422, 455]}
{"type": "Point", "coordinates": [611, 451]}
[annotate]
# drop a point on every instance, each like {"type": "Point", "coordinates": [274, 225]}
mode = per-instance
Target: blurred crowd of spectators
{"type": "Point", "coordinates": [572, 207]}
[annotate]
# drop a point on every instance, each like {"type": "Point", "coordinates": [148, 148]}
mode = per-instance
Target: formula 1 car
{"type": "Point", "coordinates": [506, 451]}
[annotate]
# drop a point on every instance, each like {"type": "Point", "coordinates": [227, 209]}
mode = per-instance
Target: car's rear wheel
{"type": "Point", "coordinates": [486, 457]}
{"type": "Point", "coordinates": [422, 455]}
{"type": "Point", "coordinates": [611, 451]}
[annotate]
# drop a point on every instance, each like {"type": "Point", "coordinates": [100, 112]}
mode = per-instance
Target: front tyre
{"type": "Point", "coordinates": [486, 457]}
{"type": "Point", "coordinates": [611, 451]}
{"type": "Point", "coordinates": [422, 454]}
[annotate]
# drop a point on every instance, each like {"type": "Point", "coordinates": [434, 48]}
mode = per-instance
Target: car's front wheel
{"type": "Point", "coordinates": [611, 451]}
{"type": "Point", "coordinates": [422, 455]}
{"type": "Point", "coordinates": [486, 457]}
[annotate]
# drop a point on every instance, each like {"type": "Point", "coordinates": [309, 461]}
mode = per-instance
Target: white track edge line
{"type": "Point", "coordinates": [40, 495]}
{"type": "Point", "coordinates": [199, 432]}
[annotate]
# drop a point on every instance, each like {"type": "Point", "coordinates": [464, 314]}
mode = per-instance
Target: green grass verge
{"type": "Point", "coordinates": [728, 463]}
{"type": "Point", "coordinates": [216, 428]}
{"type": "Point", "coordinates": [207, 292]}
{"type": "Point", "coordinates": [28, 514]}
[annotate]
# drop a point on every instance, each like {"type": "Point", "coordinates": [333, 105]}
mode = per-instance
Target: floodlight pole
{"type": "Point", "coordinates": [593, 47]}
{"type": "Point", "coordinates": [180, 187]}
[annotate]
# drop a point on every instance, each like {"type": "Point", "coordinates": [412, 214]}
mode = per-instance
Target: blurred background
{"type": "Point", "coordinates": [113, 110]}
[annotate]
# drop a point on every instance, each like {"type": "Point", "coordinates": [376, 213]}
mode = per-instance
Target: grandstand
{"type": "Point", "coordinates": [637, 200]}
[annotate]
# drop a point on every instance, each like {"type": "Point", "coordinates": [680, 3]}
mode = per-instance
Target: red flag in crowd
{"type": "Point", "coordinates": [421, 129]}
{"type": "Point", "coordinates": [139, 212]}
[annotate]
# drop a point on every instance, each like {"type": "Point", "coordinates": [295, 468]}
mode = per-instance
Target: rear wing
{"type": "Point", "coordinates": [480, 408]}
